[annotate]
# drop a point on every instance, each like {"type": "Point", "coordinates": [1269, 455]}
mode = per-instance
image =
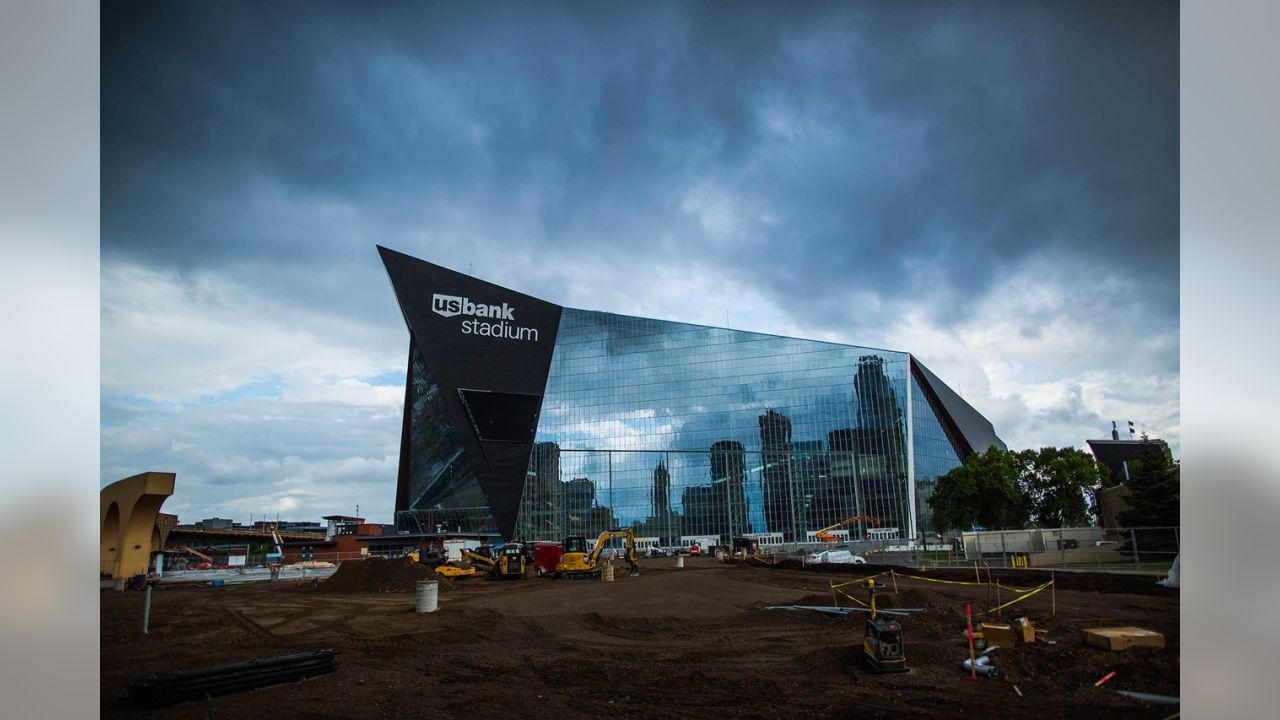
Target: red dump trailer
{"type": "Point", "coordinates": [546, 555]}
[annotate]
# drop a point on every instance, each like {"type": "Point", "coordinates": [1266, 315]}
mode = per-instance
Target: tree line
{"type": "Point", "coordinates": [1050, 487]}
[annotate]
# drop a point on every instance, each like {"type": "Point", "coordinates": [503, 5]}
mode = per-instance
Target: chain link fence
{"type": "Point", "coordinates": [1147, 550]}
{"type": "Point", "coordinates": [180, 562]}
{"type": "Point", "coordinates": [1135, 550]}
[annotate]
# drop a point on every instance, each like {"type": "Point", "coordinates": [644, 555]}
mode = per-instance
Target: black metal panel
{"type": "Point", "coordinates": [402, 480]}
{"type": "Point", "coordinates": [1115, 453]}
{"type": "Point", "coordinates": [502, 417]}
{"type": "Point", "coordinates": [974, 430]}
{"type": "Point", "coordinates": [476, 335]}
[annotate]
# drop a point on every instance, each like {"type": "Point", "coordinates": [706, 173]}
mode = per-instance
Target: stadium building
{"type": "Point", "coordinates": [535, 421]}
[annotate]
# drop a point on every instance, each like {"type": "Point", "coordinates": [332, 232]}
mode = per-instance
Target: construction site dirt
{"type": "Point", "coordinates": [696, 642]}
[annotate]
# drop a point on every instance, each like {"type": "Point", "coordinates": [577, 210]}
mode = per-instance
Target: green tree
{"type": "Point", "coordinates": [1057, 482]}
{"type": "Point", "coordinates": [1154, 486]}
{"type": "Point", "coordinates": [985, 491]}
{"type": "Point", "coordinates": [1104, 476]}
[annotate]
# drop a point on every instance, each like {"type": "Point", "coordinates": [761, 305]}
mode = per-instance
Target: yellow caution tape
{"type": "Point", "coordinates": [1027, 594]}
{"type": "Point", "coordinates": [965, 582]}
{"type": "Point", "coordinates": [850, 597]}
{"type": "Point", "coordinates": [1015, 589]}
{"type": "Point", "coordinates": [1024, 593]}
{"type": "Point", "coordinates": [1018, 599]}
{"type": "Point", "coordinates": [945, 582]}
{"type": "Point", "coordinates": [855, 582]}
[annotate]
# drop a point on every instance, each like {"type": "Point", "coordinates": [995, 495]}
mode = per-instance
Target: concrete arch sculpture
{"type": "Point", "coordinates": [129, 509]}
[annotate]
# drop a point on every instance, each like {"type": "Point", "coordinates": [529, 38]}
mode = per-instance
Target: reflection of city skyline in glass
{"type": "Point", "coordinates": [736, 432]}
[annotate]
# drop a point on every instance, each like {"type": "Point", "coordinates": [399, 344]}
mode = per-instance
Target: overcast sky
{"type": "Point", "coordinates": [990, 186]}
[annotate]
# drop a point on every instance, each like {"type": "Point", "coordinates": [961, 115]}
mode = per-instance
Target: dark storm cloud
{"type": "Point", "coordinates": [913, 150]}
{"type": "Point", "coordinates": [991, 185]}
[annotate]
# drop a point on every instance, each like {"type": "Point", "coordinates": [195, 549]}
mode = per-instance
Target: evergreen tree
{"type": "Point", "coordinates": [1154, 486]}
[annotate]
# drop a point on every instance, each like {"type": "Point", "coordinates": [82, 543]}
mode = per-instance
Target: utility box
{"type": "Point", "coordinates": [1121, 638]}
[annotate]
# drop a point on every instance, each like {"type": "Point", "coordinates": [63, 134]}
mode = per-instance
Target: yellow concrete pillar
{"type": "Point", "coordinates": [129, 510]}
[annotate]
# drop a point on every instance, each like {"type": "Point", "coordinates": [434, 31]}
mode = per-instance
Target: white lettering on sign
{"type": "Point", "coordinates": [454, 305]}
{"type": "Point", "coordinates": [499, 330]}
{"type": "Point", "coordinates": [451, 305]}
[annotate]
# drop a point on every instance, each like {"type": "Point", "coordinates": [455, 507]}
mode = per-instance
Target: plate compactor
{"type": "Point", "coordinates": [882, 641]}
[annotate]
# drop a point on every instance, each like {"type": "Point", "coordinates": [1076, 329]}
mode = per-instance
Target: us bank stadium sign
{"type": "Point", "coordinates": [496, 321]}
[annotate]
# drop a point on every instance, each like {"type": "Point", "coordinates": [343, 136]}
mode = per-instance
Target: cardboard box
{"type": "Point", "coordinates": [1121, 638]}
{"type": "Point", "coordinates": [1025, 631]}
{"type": "Point", "coordinates": [999, 634]}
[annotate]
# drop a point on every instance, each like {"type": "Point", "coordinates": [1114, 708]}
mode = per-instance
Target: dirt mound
{"type": "Point", "coordinates": [926, 598]}
{"type": "Point", "coordinates": [822, 599]}
{"type": "Point", "coordinates": [379, 575]}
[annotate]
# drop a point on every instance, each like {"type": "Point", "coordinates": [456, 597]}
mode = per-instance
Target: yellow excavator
{"type": "Point", "coordinates": [577, 562]}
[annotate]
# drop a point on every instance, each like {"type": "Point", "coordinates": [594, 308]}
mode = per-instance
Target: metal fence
{"type": "Point", "coordinates": [221, 560]}
{"type": "Point", "coordinates": [1143, 550]}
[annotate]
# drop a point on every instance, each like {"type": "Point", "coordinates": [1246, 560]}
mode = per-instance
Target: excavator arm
{"type": "Point", "coordinates": [851, 521]}
{"type": "Point", "coordinates": [824, 533]}
{"type": "Point", "coordinates": [476, 559]}
{"type": "Point", "coordinates": [193, 551]}
{"type": "Point", "coordinates": [630, 546]}
{"type": "Point", "coordinates": [577, 562]}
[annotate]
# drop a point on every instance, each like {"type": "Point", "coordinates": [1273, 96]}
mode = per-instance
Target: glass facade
{"type": "Point", "coordinates": [683, 431]}
{"type": "Point", "coordinates": [564, 421]}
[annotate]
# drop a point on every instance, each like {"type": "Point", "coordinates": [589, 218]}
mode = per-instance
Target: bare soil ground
{"type": "Point", "coordinates": [690, 643]}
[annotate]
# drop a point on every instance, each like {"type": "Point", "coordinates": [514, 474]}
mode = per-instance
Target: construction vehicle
{"type": "Point", "coordinates": [882, 639]}
{"type": "Point", "coordinates": [824, 535]}
{"type": "Point", "coordinates": [511, 562]}
{"type": "Point", "coordinates": [473, 562]}
{"type": "Point", "coordinates": [431, 557]}
{"type": "Point", "coordinates": [192, 551]}
{"type": "Point", "coordinates": [206, 562]}
{"type": "Point", "coordinates": [577, 562]}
